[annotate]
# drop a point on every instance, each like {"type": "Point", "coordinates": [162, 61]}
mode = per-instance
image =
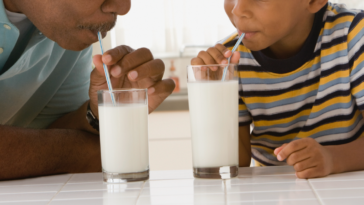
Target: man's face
{"type": "Point", "coordinates": [265, 22]}
{"type": "Point", "coordinates": [73, 24]}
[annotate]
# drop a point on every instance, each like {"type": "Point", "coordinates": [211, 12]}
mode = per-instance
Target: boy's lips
{"type": "Point", "coordinates": [248, 34]}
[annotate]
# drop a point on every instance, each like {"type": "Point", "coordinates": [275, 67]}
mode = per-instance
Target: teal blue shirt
{"type": "Point", "coordinates": [45, 83]}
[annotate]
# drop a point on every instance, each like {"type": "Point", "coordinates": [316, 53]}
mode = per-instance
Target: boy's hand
{"type": "Point", "coordinates": [216, 55]}
{"type": "Point", "coordinates": [308, 157]}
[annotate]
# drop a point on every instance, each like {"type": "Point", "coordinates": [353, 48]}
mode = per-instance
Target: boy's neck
{"type": "Point", "coordinates": [292, 43]}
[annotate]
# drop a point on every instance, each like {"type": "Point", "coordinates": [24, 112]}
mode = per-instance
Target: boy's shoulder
{"type": "Point", "coordinates": [341, 14]}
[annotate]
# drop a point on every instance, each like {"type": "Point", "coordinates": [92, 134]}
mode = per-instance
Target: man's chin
{"type": "Point", "coordinates": [77, 46]}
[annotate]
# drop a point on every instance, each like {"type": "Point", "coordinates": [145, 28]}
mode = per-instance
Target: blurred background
{"type": "Point", "coordinates": [175, 31]}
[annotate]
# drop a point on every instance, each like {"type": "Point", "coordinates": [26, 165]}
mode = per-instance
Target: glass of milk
{"type": "Point", "coordinates": [214, 112]}
{"type": "Point", "coordinates": [124, 135]}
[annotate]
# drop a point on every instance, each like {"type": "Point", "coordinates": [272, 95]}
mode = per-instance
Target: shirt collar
{"type": "Point", "coordinates": [3, 16]}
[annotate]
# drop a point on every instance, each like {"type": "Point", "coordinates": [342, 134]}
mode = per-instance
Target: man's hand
{"type": "Point", "coordinates": [308, 157]}
{"type": "Point", "coordinates": [130, 69]}
{"type": "Point", "coordinates": [216, 55]}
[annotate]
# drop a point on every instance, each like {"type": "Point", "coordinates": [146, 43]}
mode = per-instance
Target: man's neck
{"type": "Point", "coordinates": [9, 5]}
{"type": "Point", "coordinates": [292, 43]}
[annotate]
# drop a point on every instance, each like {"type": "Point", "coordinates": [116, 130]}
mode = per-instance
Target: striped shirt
{"type": "Point", "coordinates": [318, 93]}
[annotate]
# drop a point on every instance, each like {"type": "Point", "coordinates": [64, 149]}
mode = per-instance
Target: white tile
{"type": "Point", "coordinates": [27, 203]}
{"type": "Point", "coordinates": [300, 202]}
{"type": "Point", "coordinates": [268, 187]}
{"type": "Point", "coordinates": [171, 174]}
{"type": "Point", "coordinates": [106, 201]}
{"type": "Point", "coordinates": [86, 178]}
{"type": "Point", "coordinates": [276, 170]}
{"type": "Point", "coordinates": [56, 179]}
{"type": "Point", "coordinates": [338, 184]}
{"type": "Point", "coordinates": [183, 190]}
{"type": "Point", "coordinates": [340, 193]}
{"type": "Point", "coordinates": [182, 199]}
{"type": "Point", "coordinates": [342, 177]}
{"type": "Point", "coordinates": [270, 196]}
{"type": "Point", "coordinates": [30, 189]}
{"type": "Point", "coordinates": [101, 186]}
{"type": "Point", "coordinates": [183, 183]}
{"type": "Point", "coordinates": [344, 201]}
{"type": "Point", "coordinates": [133, 193]}
{"type": "Point", "coordinates": [26, 197]}
{"type": "Point", "coordinates": [266, 179]}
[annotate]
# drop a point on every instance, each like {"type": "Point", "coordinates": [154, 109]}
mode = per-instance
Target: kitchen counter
{"type": "Point", "coordinates": [254, 185]}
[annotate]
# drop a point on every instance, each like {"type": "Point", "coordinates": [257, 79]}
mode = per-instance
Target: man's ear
{"type": "Point", "coordinates": [316, 5]}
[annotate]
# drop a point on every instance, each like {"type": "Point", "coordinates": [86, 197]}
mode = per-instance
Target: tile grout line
{"type": "Point", "coordinates": [136, 202]}
{"type": "Point", "coordinates": [60, 189]}
{"type": "Point", "coordinates": [314, 191]}
{"type": "Point", "coordinates": [225, 191]}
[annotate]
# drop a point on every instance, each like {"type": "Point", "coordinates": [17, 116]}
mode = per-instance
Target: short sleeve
{"type": "Point", "coordinates": [71, 94]}
{"type": "Point", "coordinates": [356, 59]}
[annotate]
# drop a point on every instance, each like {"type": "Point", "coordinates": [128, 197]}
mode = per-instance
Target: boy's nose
{"type": "Point", "coordinates": [120, 7]}
{"type": "Point", "coordinates": [241, 9]}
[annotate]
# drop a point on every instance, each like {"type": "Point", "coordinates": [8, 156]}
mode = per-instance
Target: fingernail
{"type": "Point", "coordinates": [224, 62]}
{"type": "Point", "coordinates": [133, 75]}
{"type": "Point", "coordinates": [116, 71]}
{"type": "Point", "coordinates": [227, 52]}
{"type": "Point", "coordinates": [279, 157]}
{"type": "Point", "coordinates": [106, 58]}
{"type": "Point", "coordinates": [151, 91]}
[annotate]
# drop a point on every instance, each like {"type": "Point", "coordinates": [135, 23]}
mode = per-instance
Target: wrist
{"type": "Point", "coordinates": [337, 165]}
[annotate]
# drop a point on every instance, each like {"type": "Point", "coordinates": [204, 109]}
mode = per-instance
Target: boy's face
{"type": "Point", "coordinates": [73, 24]}
{"type": "Point", "coordinates": [266, 22]}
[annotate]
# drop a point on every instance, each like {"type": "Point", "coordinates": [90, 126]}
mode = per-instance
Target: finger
{"type": "Point", "coordinates": [308, 173]}
{"type": "Point", "coordinates": [225, 51]}
{"type": "Point", "coordinates": [134, 59]}
{"type": "Point", "coordinates": [153, 69]}
{"type": "Point", "coordinates": [114, 55]}
{"type": "Point", "coordinates": [217, 55]}
{"type": "Point", "coordinates": [304, 164]}
{"type": "Point", "coordinates": [277, 150]}
{"type": "Point", "coordinates": [207, 58]}
{"type": "Point", "coordinates": [197, 61]}
{"type": "Point", "coordinates": [290, 148]}
{"type": "Point", "coordinates": [235, 58]}
{"type": "Point", "coordinates": [159, 92]}
{"type": "Point", "coordinates": [98, 74]}
{"type": "Point", "coordinates": [298, 156]}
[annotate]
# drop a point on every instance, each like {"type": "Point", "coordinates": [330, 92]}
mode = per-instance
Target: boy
{"type": "Point", "coordinates": [301, 69]}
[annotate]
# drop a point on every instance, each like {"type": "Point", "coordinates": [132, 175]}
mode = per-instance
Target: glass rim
{"type": "Point", "coordinates": [120, 90]}
{"type": "Point", "coordinates": [219, 65]}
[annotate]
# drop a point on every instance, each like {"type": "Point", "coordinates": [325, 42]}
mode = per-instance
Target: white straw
{"type": "Point", "coordinates": [106, 71]}
{"type": "Point", "coordinates": [234, 49]}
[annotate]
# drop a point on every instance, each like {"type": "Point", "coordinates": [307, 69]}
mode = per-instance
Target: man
{"type": "Point", "coordinates": [46, 89]}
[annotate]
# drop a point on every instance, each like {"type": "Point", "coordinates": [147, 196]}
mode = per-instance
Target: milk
{"type": "Point", "coordinates": [214, 111]}
{"type": "Point", "coordinates": [124, 138]}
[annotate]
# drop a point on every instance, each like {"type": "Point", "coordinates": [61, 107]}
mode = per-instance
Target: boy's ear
{"type": "Point", "coordinates": [316, 5]}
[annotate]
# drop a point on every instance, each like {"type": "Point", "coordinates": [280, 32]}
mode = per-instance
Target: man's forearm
{"type": "Point", "coordinates": [29, 153]}
{"type": "Point", "coordinates": [348, 157]}
{"type": "Point", "coordinates": [75, 120]}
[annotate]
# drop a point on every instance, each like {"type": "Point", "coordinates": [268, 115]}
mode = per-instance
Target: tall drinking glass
{"type": "Point", "coordinates": [124, 135]}
{"type": "Point", "coordinates": [214, 111]}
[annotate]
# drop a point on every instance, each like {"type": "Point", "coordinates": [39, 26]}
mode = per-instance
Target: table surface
{"type": "Point", "coordinates": [254, 185]}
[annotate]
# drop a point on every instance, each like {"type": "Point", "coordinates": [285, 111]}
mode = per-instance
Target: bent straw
{"type": "Point", "coordinates": [234, 49]}
{"type": "Point", "coordinates": [106, 71]}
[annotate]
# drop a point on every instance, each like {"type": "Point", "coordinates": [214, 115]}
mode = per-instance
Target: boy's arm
{"type": "Point", "coordinates": [30, 153]}
{"type": "Point", "coordinates": [244, 146]}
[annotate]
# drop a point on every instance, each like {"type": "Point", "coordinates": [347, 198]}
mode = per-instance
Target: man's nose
{"type": "Point", "coordinates": [120, 7]}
